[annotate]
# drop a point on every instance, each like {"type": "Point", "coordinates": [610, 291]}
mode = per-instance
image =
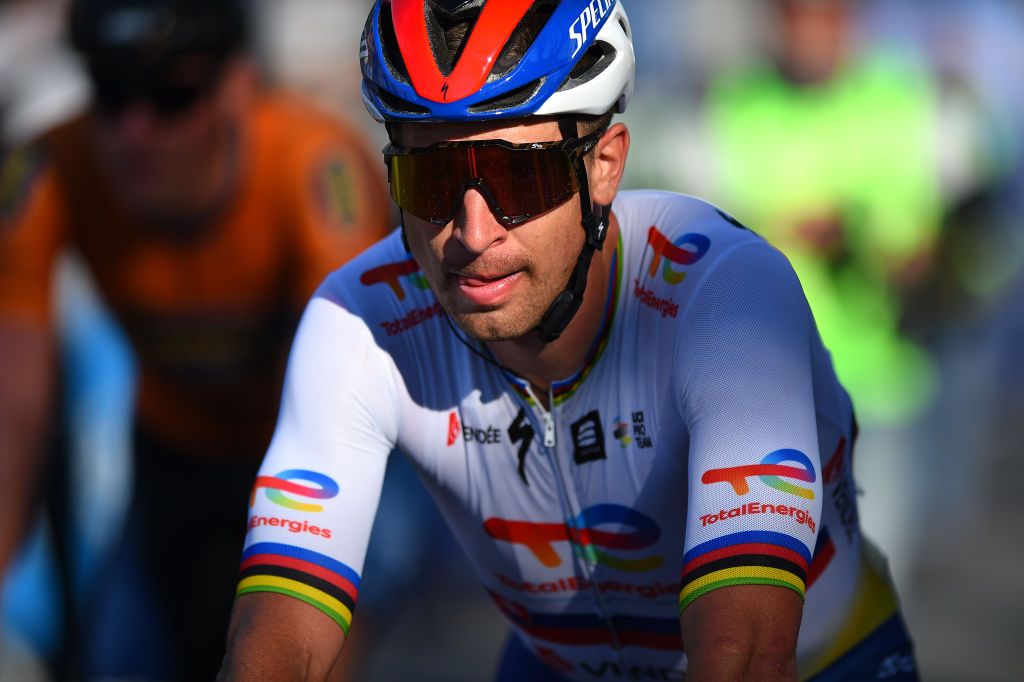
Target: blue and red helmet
{"type": "Point", "coordinates": [571, 57]}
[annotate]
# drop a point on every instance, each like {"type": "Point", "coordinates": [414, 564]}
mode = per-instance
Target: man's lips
{"type": "Point", "coordinates": [480, 280]}
{"type": "Point", "coordinates": [489, 289]}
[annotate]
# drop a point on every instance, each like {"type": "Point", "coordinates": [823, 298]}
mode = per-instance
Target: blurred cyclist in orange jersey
{"type": "Point", "coordinates": [207, 210]}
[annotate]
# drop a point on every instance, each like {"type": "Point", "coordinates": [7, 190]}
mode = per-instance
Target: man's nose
{"type": "Point", "coordinates": [475, 226]}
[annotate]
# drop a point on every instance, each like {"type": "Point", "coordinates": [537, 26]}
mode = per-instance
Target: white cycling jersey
{"type": "Point", "coordinates": [705, 442]}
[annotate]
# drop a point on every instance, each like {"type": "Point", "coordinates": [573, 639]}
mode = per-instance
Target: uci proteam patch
{"type": "Point", "coordinates": [19, 173]}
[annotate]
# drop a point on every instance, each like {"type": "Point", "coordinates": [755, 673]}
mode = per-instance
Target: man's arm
{"type": "Point", "coordinates": [314, 500]}
{"type": "Point", "coordinates": [26, 388]}
{"type": "Point", "coordinates": [754, 469]}
{"type": "Point", "coordinates": [274, 637]}
{"type": "Point", "coordinates": [743, 632]}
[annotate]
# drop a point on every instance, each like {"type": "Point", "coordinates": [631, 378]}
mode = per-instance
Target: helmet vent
{"type": "Point", "coordinates": [595, 60]}
{"type": "Point", "coordinates": [389, 45]}
{"type": "Point", "coordinates": [522, 38]}
{"type": "Point", "coordinates": [399, 105]}
{"type": "Point", "coordinates": [509, 100]}
{"type": "Point", "coordinates": [448, 25]}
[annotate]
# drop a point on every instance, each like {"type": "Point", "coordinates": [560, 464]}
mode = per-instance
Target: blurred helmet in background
{"type": "Point", "coordinates": [168, 52]}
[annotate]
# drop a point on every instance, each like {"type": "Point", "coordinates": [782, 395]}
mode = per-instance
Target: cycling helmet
{"type": "Point", "coordinates": [573, 57]}
{"type": "Point", "coordinates": [152, 30]}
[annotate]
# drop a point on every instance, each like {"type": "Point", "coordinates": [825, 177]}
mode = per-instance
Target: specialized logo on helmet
{"type": "Point", "coordinates": [675, 252]}
{"type": "Point", "coordinates": [590, 20]}
{"type": "Point", "coordinates": [771, 471]}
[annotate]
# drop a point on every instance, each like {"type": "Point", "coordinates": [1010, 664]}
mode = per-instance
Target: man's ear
{"type": "Point", "coordinates": [607, 164]}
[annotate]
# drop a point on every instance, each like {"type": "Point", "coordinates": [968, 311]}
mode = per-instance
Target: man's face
{"type": "Point", "coordinates": [495, 281]}
{"type": "Point", "coordinates": [159, 160]}
{"type": "Point", "coordinates": [812, 37]}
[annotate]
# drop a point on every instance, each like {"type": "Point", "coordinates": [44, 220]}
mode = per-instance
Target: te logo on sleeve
{"type": "Point", "coordinates": [774, 470]}
{"type": "Point", "coordinates": [283, 489]}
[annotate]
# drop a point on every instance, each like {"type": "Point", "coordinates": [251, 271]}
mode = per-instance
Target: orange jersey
{"type": "Point", "coordinates": [210, 316]}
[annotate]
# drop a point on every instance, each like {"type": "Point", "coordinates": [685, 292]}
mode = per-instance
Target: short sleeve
{"type": "Point", "coordinates": [314, 500]}
{"type": "Point", "coordinates": [746, 394]}
{"type": "Point", "coordinates": [32, 234]}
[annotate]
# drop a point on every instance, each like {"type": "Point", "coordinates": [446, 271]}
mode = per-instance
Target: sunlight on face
{"type": "Point", "coordinates": [495, 282]}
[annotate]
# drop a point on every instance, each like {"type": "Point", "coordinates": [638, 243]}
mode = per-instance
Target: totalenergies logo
{"type": "Point", "coordinates": [771, 471]}
{"type": "Point", "coordinates": [585, 538]}
{"type": "Point", "coordinates": [667, 252]}
{"type": "Point", "coordinates": [393, 274]}
{"type": "Point", "coordinates": [323, 488]}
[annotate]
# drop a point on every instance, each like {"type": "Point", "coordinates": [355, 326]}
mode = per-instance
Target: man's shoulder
{"type": "Point", "coordinates": [673, 244]}
{"type": "Point", "coordinates": [381, 282]}
{"type": "Point", "coordinates": [58, 152]}
{"type": "Point", "coordinates": [385, 288]}
{"type": "Point", "coordinates": [674, 233]}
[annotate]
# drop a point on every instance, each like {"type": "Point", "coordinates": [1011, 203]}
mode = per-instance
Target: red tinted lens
{"type": "Point", "coordinates": [526, 182]}
{"type": "Point", "coordinates": [519, 183]}
{"type": "Point", "coordinates": [427, 184]}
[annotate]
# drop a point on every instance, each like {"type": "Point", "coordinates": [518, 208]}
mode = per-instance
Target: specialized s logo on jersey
{"type": "Point", "coordinates": [521, 432]}
{"type": "Point", "coordinates": [771, 471]}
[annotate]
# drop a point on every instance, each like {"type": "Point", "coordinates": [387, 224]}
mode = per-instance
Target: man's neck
{"type": "Point", "coordinates": [544, 363]}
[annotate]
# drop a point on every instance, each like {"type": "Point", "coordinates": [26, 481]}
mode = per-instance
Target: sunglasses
{"type": "Point", "coordinates": [518, 181]}
{"type": "Point", "coordinates": [118, 87]}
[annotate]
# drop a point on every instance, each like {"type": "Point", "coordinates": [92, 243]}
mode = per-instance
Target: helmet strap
{"type": "Point", "coordinates": [595, 225]}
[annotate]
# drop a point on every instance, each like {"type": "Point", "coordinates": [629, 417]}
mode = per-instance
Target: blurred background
{"type": "Point", "coordinates": [877, 142]}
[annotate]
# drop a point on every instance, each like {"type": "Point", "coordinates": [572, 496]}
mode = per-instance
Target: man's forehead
{"type": "Point", "coordinates": [521, 130]}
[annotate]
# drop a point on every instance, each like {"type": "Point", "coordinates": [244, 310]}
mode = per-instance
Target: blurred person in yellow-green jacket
{"type": "Point", "coordinates": [831, 154]}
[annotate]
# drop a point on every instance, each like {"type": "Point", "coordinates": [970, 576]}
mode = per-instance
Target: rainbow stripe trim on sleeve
{"type": "Point", "coordinates": [747, 558]}
{"type": "Point", "coordinates": [314, 578]}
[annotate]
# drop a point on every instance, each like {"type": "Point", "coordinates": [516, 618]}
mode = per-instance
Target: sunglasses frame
{"type": "Point", "coordinates": [574, 149]}
{"type": "Point", "coordinates": [147, 86]}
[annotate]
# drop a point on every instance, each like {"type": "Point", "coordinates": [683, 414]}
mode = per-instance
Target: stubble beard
{"type": "Point", "coordinates": [501, 323]}
{"type": "Point", "coordinates": [513, 320]}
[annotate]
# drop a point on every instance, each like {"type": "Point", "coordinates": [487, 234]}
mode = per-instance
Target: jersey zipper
{"type": "Point", "coordinates": [547, 416]}
{"type": "Point", "coordinates": [548, 419]}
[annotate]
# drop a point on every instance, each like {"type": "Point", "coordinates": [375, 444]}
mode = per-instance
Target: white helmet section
{"type": "Point", "coordinates": [612, 87]}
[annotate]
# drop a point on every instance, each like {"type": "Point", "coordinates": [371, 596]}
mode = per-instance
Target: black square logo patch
{"type": "Point", "coordinates": [588, 439]}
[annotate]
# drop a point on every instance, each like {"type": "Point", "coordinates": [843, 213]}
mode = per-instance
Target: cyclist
{"type": "Point", "coordinates": [207, 209]}
{"type": "Point", "coordinates": [632, 427]}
